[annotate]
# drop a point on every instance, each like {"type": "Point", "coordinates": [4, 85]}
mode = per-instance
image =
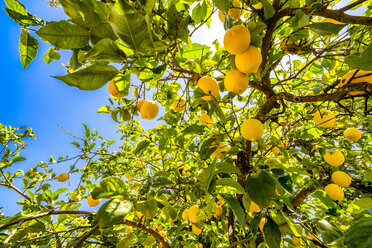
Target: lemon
{"type": "Point", "coordinates": [63, 177]}
{"type": "Point", "coordinates": [352, 134]}
{"type": "Point", "coordinates": [128, 229]}
{"type": "Point", "coordinates": [358, 77]}
{"type": "Point", "coordinates": [163, 234]}
{"type": "Point", "coordinates": [113, 90]}
{"type": "Point", "coordinates": [234, 12]}
{"type": "Point", "coordinates": [334, 159]}
{"type": "Point", "coordinates": [335, 192]}
{"type": "Point", "coordinates": [237, 39]}
{"type": "Point", "coordinates": [92, 202]}
{"type": "Point", "coordinates": [196, 230]}
{"type": "Point", "coordinates": [324, 118]}
{"type": "Point", "coordinates": [127, 176]}
{"type": "Point", "coordinates": [138, 163]}
{"type": "Point", "coordinates": [206, 120]}
{"type": "Point", "coordinates": [217, 210]}
{"type": "Point", "coordinates": [341, 178]}
{"type": "Point", "coordinates": [221, 147]}
{"type": "Point", "coordinates": [209, 86]}
{"type": "Point", "coordinates": [139, 104]}
{"type": "Point", "coordinates": [249, 61]}
{"type": "Point", "coordinates": [139, 214]}
{"type": "Point", "coordinates": [193, 211]}
{"type": "Point", "coordinates": [252, 129]}
{"type": "Point", "coordinates": [236, 82]}
{"type": "Point", "coordinates": [149, 110]}
{"type": "Point", "coordinates": [179, 105]}
{"type": "Point", "coordinates": [297, 241]}
{"type": "Point", "coordinates": [199, 245]}
{"type": "Point", "coordinates": [254, 207]}
{"type": "Point", "coordinates": [275, 149]}
{"type": "Point", "coordinates": [185, 215]}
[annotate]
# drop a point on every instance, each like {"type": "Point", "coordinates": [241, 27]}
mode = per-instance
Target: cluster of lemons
{"type": "Point", "coordinates": [326, 119]}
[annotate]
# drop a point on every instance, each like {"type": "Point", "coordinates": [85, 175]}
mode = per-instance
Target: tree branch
{"type": "Point", "coordinates": [86, 235]}
{"type": "Point", "coordinates": [11, 186]}
{"type": "Point", "coordinates": [352, 5]}
{"type": "Point", "coordinates": [150, 231]}
{"type": "Point", "coordinates": [11, 234]}
{"type": "Point", "coordinates": [305, 192]}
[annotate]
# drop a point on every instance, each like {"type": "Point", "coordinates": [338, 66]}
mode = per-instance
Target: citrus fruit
{"type": "Point", "coordinates": [324, 118]}
{"type": "Point", "coordinates": [234, 12]}
{"type": "Point", "coordinates": [217, 210]}
{"type": "Point", "coordinates": [139, 214]}
{"type": "Point", "coordinates": [185, 215]}
{"type": "Point", "coordinates": [92, 202]}
{"type": "Point", "coordinates": [237, 39]}
{"type": "Point", "coordinates": [199, 245]}
{"type": "Point", "coordinates": [236, 82]}
{"type": "Point", "coordinates": [193, 211]}
{"type": "Point", "coordinates": [163, 234]}
{"type": "Point", "coordinates": [128, 229]}
{"type": "Point", "coordinates": [275, 149]}
{"type": "Point", "coordinates": [252, 129]}
{"type": "Point", "coordinates": [357, 77]}
{"type": "Point", "coordinates": [127, 176]}
{"type": "Point", "coordinates": [179, 105]}
{"type": "Point", "coordinates": [341, 178]}
{"type": "Point", "coordinates": [206, 120]}
{"type": "Point", "coordinates": [352, 134]}
{"type": "Point", "coordinates": [254, 207]}
{"type": "Point", "coordinates": [139, 104]}
{"type": "Point", "coordinates": [196, 230]}
{"type": "Point", "coordinates": [297, 241]}
{"type": "Point", "coordinates": [334, 191]}
{"type": "Point", "coordinates": [249, 61]}
{"type": "Point", "coordinates": [63, 177]}
{"type": "Point", "coordinates": [113, 90]}
{"type": "Point", "coordinates": [209, 86]}
{"type": "Point", "coordinates": [335, 159]}
{"type": "Point", "coordinates": [221, 147]}
{"type": "Point", "coordinates": [149, 110]}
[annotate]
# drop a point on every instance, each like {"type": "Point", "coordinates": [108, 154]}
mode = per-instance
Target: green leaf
{"type": "Point", "coordinates": [227, 168]}
{"type": "Point", "coordinates": [126, 241]}
{"type": "Point", "coordinates": [230, 183]}
{"type": "Point", "coordinates": [323, 197]}
{"type": "Point", "coordinates": [104, 109]}
{"type": "Point", "coordinates": [73, 206]}
{"type": "Point", "coordinates": [269, 10]}
{"type": "Point", "coordinates": [361, 60]}
{"type": "Point", "coordinates": [261, 188]}
{"type": "Point", "coordinates": [178, 24]}
{"type": "Point", "coordinates": [284, 179]}
{"type": "Point", "coordinates": [325, 28]}
{"type": "Point", "coordinates": [359, 235]}
{"type": "Point", "coordinates": [328, 231]}
{"type": "Point", "coordinates": [101, 31]}
{"type": "Point", "coordinates": [16, 6]}
{"type": "Point", "coordinates": [112, 212]}
{"type": "Point", "coordinates": [223, 5]}
{"type": "Point", "coordinates": [51, 55]}
{"type": "Point", "coordinates": [235, 206]}
{"type": "Point", "coordinates": [199, 12]}
{"type": "Point", "coordinates": [194, 129]}
{"type": "Point", "coordinates": [129, 25]}
{"type": "Point", "coordinates": [28, 47]}
{"type": "Point", "coordinates": [206, 176]}
{"type": "Point", "coordinates": [272, 234]}
{"type": "Point", "coordinates": [217, 109]}
{"type": "Point", "coordinates": [24, 19]}
{"type": "Point", "coordinates": [358, 206]}
{"type": "Point", "coordinates": [105, 50]}
{"type": "Point", "coordinates": [147, 208]}
{"type": "Point", "coordinates": [110, 187]}
{"type": "Point", "coordinates": [141, 146]}
{"type": "Point", "coordinates": [122, 82]}
{"type": "Point", "coordinates": [90, 78]}
{"type": "Point", "coordinates": [64, 35]}
{"type": "Point", "coordinates": [206, 148]}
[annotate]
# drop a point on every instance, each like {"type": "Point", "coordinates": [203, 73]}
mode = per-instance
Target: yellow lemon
{"type": "Point", "coordinates": [234, 12]}
{"type": "Point", "coordinates": [275, 149]}
{"type": "Point", "coordinates": [63, 177]}
{"type": "Point", "coordinates": [92, 202]}
{"type": "Point", "coordinates": [297, 241]}
{"type": "Point", "coordinates": [179, 105]}
{"type": "Point", "coordinates": [217, 210]}
{"type": "Point", "coordinates": [139, 104]}
{"type": "Point", "coordinates": [196, 230]}
{"type": "Point", "coordinates": [163, 234]}
{"type": "Point", "coordinates": [199, 245]}
{"type": "Point", "coordinates": [334, 159]}
{"type": "Point", "coordinates": [341, 178]}
{"type": "Point", "coordinates": [358, 77]}
{"type": "Point", "coordinates": [254, 207]}
{"type": "Point", "coordinates": [149, 110]}
{"type": "Point", "coordinates": [236, 82]}
{"type": "Point", "coordinates": [206, 120]}
{"type": "Point", "coordinates": [252, 129]}
{"type": "Point", "coordinates": [139, 214]}
{"type": "Point", "coordinates": [237, 39]}
{"type": "Point", "coordinates": [249, 61]}
{"type": "Point", "coordinates": [209, 86]}
{"type": "Point", "coordinates": [185, 215]}
{"type": "Point", "coordinates": [352, 134]}
{"type": "Point", "coordinates": [128, 229]}
{"type": "Point", "coordinates": [113, 90]}
{"type": "Point", "coordinates": [127, 176]}
{"type": "Point", "coordinates": [221, 147]}
{"type": "Point", "coordinates": [193, 213]}
{"type": "Point", "coordinates": [324, 118]}
{"type": "Point", "coordinates": [138, 163]}
{"type": "Point", "coordinates": [334, 191]}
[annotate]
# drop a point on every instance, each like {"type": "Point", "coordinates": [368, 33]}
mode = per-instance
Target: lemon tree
{"type": "Point", "coordinates": [259, 139]}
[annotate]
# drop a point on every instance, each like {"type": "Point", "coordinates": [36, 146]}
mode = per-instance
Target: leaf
{"type": "Point", "coordinates": [73, 206]}
{"type": "Point", "coordinates": [64, 35]}
{"type": "Point", "coordinates": [178, 24]}
{"type": "Point", "coordinates": [148, 208]}
{"type": "Point", "coordinates": [359, 235]}
{"type": "Point", "coordinates": [206, 176]}
{"type": "Point", "coordinates": [199, 12]}
{"type": "Point", "coordinates": [122, 82]}
{"type": "Point", "coordinates": [358, 206]}
{"type": "Point", "coordinates": [90, 78]}
{"type": "Point", "coordinates": [324, 28]}
{"type": "Point", "coordinates": [269, 10]}
{"type": "Point", "coordinates": [129, 25]}
{"type": "Point", "coordinates": [105, 50]}
{"type": "Point", "coordinates": [100, 31]}
{"type": "Point", "coordinates": [112, 212]}
{"type": "Point", "coordinates": [361, 60]}
{"type": "Point", "coordinates": [194, 129]}
{"type": "Point", "coordinates": [223, 5]}
{"type": "Point", "coordinates": [227, 168]}
{"type": "Point", "coordinates": [109, 187]}
{"type": "Point", "coordinates": [323, 197]}
{"type": "Point", "coordinates": [51, 55]}
{"type": "Point", "coordinates": [272, 234]}
{"type": "Point", "coordinates": [125, 242]}
{"type": "Point", "coordinates": [206, 148]}
{"type": "Point", "coordinates": [28, 47]}
{"type": "Point", "coordinates": [217, 109]}
{"type": "Point", "coordinates": [26, 19]}
{"type": "Point", "coordinates": [16, 6]}
{"type": "Point", "coordinates": [141, 146]}
{"type": "Point", "coordinates": [235, 206]}
{"type": "Point", "coordinates": [230, 183]}
{"type": "Point", "coordinates": [261, 188]}
{"type": "Point", "coordinates": [328, 231]}
{"type": "Point", "coordinates": [284, 179]}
